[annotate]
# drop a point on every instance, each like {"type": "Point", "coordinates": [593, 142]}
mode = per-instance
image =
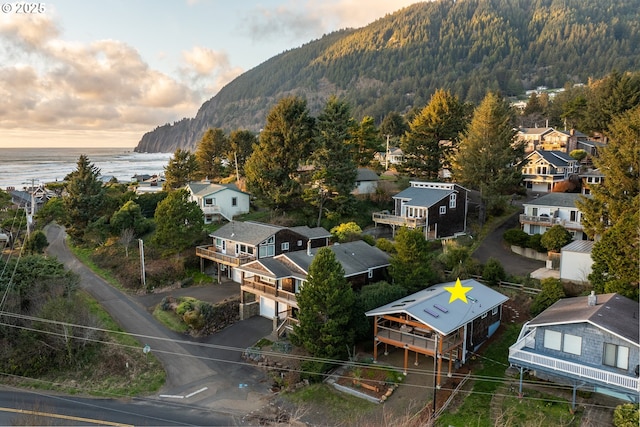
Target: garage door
{"type": "Point", "coordinates": [267, 308]}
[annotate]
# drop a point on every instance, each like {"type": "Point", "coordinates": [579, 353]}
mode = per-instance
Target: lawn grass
{"type": "Point", "coordinates": [336, 407]}
{"type": "Point", "coordinates": [475, 408]}
{"type": "Point", "coordinates": [170, 319]}
{"type": "Point", "coordinates": [538, 409]}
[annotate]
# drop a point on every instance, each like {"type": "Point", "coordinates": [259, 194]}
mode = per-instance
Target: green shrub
{"type": "Point", "coordinates": [493, 272]}
{"type": "Point", "coordinates": [385, 245]}
{"type": "Point", "coordinates": [313, 370]}
{"type": "Point", "coordinates": [516, 237]}
{"type": "Point", "coordinates": [187, 305]}
{"type": "Point", "coordinates": [371, 241]}
{"type": "Point", "coordinates": [535, 243]}
{"type": "Point", "coordinates": [555, 238]}
{"type": "Point", "coordinates": [552, 291]}
{"type": "Point", "coordinates": [626, 415]}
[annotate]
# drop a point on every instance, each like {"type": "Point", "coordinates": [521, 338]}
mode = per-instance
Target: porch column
{"type": "Point", "coordinates": [375, 339]}
{"type": "Point", "coordinates": [439, 356]}
{"type": "Point", "coordinates": [406, 359]}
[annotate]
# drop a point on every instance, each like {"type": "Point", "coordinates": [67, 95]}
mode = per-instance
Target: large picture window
{"type": "Point", "coordinates": [572, 344]}
{"type": "Point", "coordinates": [616, 356]}
{"type": "Point", "coordinates": [552, 340]}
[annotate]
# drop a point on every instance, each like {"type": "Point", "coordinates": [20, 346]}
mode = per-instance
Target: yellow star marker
{"type": "Point", "coordinates": [458, 292]}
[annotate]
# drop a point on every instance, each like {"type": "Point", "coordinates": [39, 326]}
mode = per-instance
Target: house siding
{"type": "Point", "coordinates": [451, 222]}
{"type": "Point", "coordinates": [292, 238]}
{"type": "Point", "coordinates": [592, 350]}
{"type": "Point", "coordinates": [479, 329]}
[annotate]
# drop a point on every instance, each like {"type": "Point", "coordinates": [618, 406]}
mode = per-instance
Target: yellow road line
{"type": "Point", "coordinates": [65, 417]}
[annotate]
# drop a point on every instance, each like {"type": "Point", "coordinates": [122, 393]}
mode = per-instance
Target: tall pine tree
{"type": "Point", "coordinates": [84, 199]}
{"type": "Point", "coordinates": [325, 318]}
{"type": "Point", "coordinates": [210, 153]}
{"type": "Point", "coordinates": [286, 140]}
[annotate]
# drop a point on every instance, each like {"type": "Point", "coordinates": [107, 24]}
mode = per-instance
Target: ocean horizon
{"type": "Point", "coordinates": [22, 167]}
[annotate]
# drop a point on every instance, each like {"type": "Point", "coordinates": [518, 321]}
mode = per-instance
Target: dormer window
{"type": "Point", "coordinates": [452, 201]}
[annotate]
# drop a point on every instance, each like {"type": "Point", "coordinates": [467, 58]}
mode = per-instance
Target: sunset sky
{"type": "Point", "coordinates": [89, 73]}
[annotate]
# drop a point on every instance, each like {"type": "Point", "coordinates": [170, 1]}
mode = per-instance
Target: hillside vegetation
{"type": "Point", "coordinates": [398, 61]}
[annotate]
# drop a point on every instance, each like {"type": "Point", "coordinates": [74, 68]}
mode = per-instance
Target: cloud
{"type": "Point", "coordinates": [207, 71]}
{"type": "Point", "coordinates": [313, 18]}
{"type": "Point", "coordinates": [49, 83]}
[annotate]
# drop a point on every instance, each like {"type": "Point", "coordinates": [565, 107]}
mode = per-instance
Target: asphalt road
{"type": "Point", "coordinates": [206, 372]}
{"type": "Point", "coordinates": [493, 246]}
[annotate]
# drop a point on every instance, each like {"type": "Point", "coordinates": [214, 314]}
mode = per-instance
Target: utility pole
{"type": "Point", "coordinates": [142, 272]}
{"type": "Point", "coordinates": [386, 156]}
{"type": "Point", "coordinates": [30, 212]}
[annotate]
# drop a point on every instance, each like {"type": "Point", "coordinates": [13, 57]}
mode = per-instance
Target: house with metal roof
{"type": "Point", "coordinates": [433, 323]}
{"type": "Point", "coordinates": [269, 286]}
{"type": "Point", "coordinates": [576, 261]}
{"type": "Point", "coordinates": [543, 170]}
{"type": "Point", "coordinates": [237, 243]}
{"type": "Point", "coordinates": [589, 343]}
{"type": "Point", "coordinates": [553, 209]}
{"type": "Point", "coordinates": [437, 208]}
{"type": "Point", "coordinates": [218, 201]}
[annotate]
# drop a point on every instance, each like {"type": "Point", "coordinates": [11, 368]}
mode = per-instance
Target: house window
{"type": "Point", "coordinates": [552, 340]}
{"type": "Point", "coordinates": [370, 273]}
{"type": "Point", "coordinates": [209, 202]}
{"type": "Point", "coordinates": [284, 246]}
{"type": "Point", "coordinates": [234, 201]}
{"type": "Point", "coordinates": [572, 344]}
{"type": "Point", "coordinates": [299, 242]}
{"type": "Point", "coordinates": [494, 311]}
{"type": "Point", "coordinates": [267, 248]}
{"type": "Point", "coordinates": [485, 314]}
{"type": "Point", "coordinates": [218, 242]}
{"type": "Point", "coordinates": [443, 210]}
{"type": "Point", "coordinates": [452, 201]}
{"type": "Point", "coordinates": [616, 356]}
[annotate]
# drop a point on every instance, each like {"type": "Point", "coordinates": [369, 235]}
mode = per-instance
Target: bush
{"type": "Point", "coordinates": [626, 415]}
{"type": "Point", "coordinates": [552, 291]}
{"type": "Point", "coordinates": [516, 237]}
{"type": "Point", "coordinates": [535, 243]}
{"type": "Point", "coordinates": [555, 238]}
{"type": "Point", "coordinates": [346, 232]}
{"type": "Point", "coordinates": [187, 305]}
{"type": "Point", "coordinates": [313, 370]}
{"type": "Point", "coordinates": [385, 245]}
{"type": "Point", "coordinates": [493, 272]}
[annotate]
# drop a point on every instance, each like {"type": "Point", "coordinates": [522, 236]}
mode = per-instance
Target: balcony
{"type": "Point", "coordinates": [521, 356]}
{"type": "Point", "coordinates": [384, 218]}
{"type": "Point", "coordinates": [547, 221]}
{"type": "Point", "coordinates": [211, 210]}
{"type": "Point", "coordinates": [267, 289]}
{"type": "Point", "coordinates": [212, 253]}
{"type": "Point", "coordinates": [415, 339]}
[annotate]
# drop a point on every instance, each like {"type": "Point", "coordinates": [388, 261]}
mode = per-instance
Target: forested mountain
{"type": "Point", "coordinates": [397, 62]}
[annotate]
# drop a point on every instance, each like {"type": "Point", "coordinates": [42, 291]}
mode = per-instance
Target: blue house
{"type": "Point", "coordinates": [589, 343]}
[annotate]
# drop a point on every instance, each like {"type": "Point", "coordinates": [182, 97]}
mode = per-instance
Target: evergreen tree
{"type": "Point", "coordinates": [325, 318]}
{"type": "Point", "coordinates": [241, 144]}
{"type": "Point", "coordinates": [609, 97]}
{"type": "Point", "coordinates": [441, 120]}
{"type": "Point", "coordinates": [129, 216]}
{"type": "Point", "coordinates": [210, 153]}
{"type": "Point", "coordinates": [84, 199]}
{"type": "Point", "coordinates": [611, 213]}
{"type": "Point", "coordinates": [487, 157]}
{"type": "Point", "coordinates": [410, 265]}
{"type": "Point", "coordinates": [285, 141]}
{"type": "Point", "coordinates": [334, 172]}
{"type": "Point", "coordinates": [179, 222]}
{"type": "Point", "coordinates": [366, 142]}
{"type": "Point", "coordinates": [181, 169]}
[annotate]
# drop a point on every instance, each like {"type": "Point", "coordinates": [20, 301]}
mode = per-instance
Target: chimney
{"type": "Point", "coordinates": [309, 247]}
{"type": "Point", "coordinates": [592, 299]}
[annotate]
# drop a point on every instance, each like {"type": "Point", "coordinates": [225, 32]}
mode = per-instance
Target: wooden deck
{"type": "Point", "coordinates": [210, 252]}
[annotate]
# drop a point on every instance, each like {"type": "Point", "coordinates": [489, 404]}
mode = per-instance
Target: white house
{"type": "Point", "coordinates": [551, 209]}
{"type": "Point", "coordinates": [576, 261]}
{"type": "Point", "coordinates": [542, 170]}
{"type": "Point", "coordinates": [218, 200]}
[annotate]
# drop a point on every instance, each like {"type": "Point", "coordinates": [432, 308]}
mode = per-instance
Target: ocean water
{"type": "Point", "coordinates": [20, 167]}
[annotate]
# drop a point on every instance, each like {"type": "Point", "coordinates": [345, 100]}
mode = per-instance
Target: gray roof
{"type": "Point", "coordinates": [583, 246]}
{"type": "Point", "coordinates": [252, 233]}
{"type": "Point", "coordinates": [205, 188]}
{"type": "Point", "coordinates": [365, 174]}
{"type": "Point", "coordinates": [355, 257]}
{"type": "Point", "coordinates": [277, 269]}
{"type": "Point", "coordinates": [613, 312]}
{"type": "Point", "coordinates": [556, 158]}
{"type": "Point", "coordinates": [480, 299]}
{"type": "Point", "coordinates": [592, 172]}
{"type": "Point", "coordinates": [422, 197]}
{"type": "Point", "coordinates": [311, 233]}
{"type": "Point", "coordinates": [535, 131]}
{"type": "Point", "coordinates": [564, 200]}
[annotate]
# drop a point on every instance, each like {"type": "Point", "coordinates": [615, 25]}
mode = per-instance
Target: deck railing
{"type": "Point", "coordinates": [518, 354]}
{"type": "Point", "coordinates": [268, 289]}
{"type": "Point", "coordinates": [549, 221]}
{"type": "Point", "coordinates": [211, 253]}
{"type": "Point", "coordinates": [384, 218]}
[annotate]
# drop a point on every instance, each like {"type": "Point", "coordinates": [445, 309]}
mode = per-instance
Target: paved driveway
{"type": "Point", "coordinates": [493, 246]}
{"type": "Point", "coordinates": [207, 372]}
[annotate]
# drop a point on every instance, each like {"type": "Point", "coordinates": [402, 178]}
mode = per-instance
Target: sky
{"type": "Point", "coordinates": [102, 73]}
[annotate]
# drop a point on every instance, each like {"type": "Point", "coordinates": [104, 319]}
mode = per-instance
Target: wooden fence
{"type": "Point", "coordinates": [507, 285]}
